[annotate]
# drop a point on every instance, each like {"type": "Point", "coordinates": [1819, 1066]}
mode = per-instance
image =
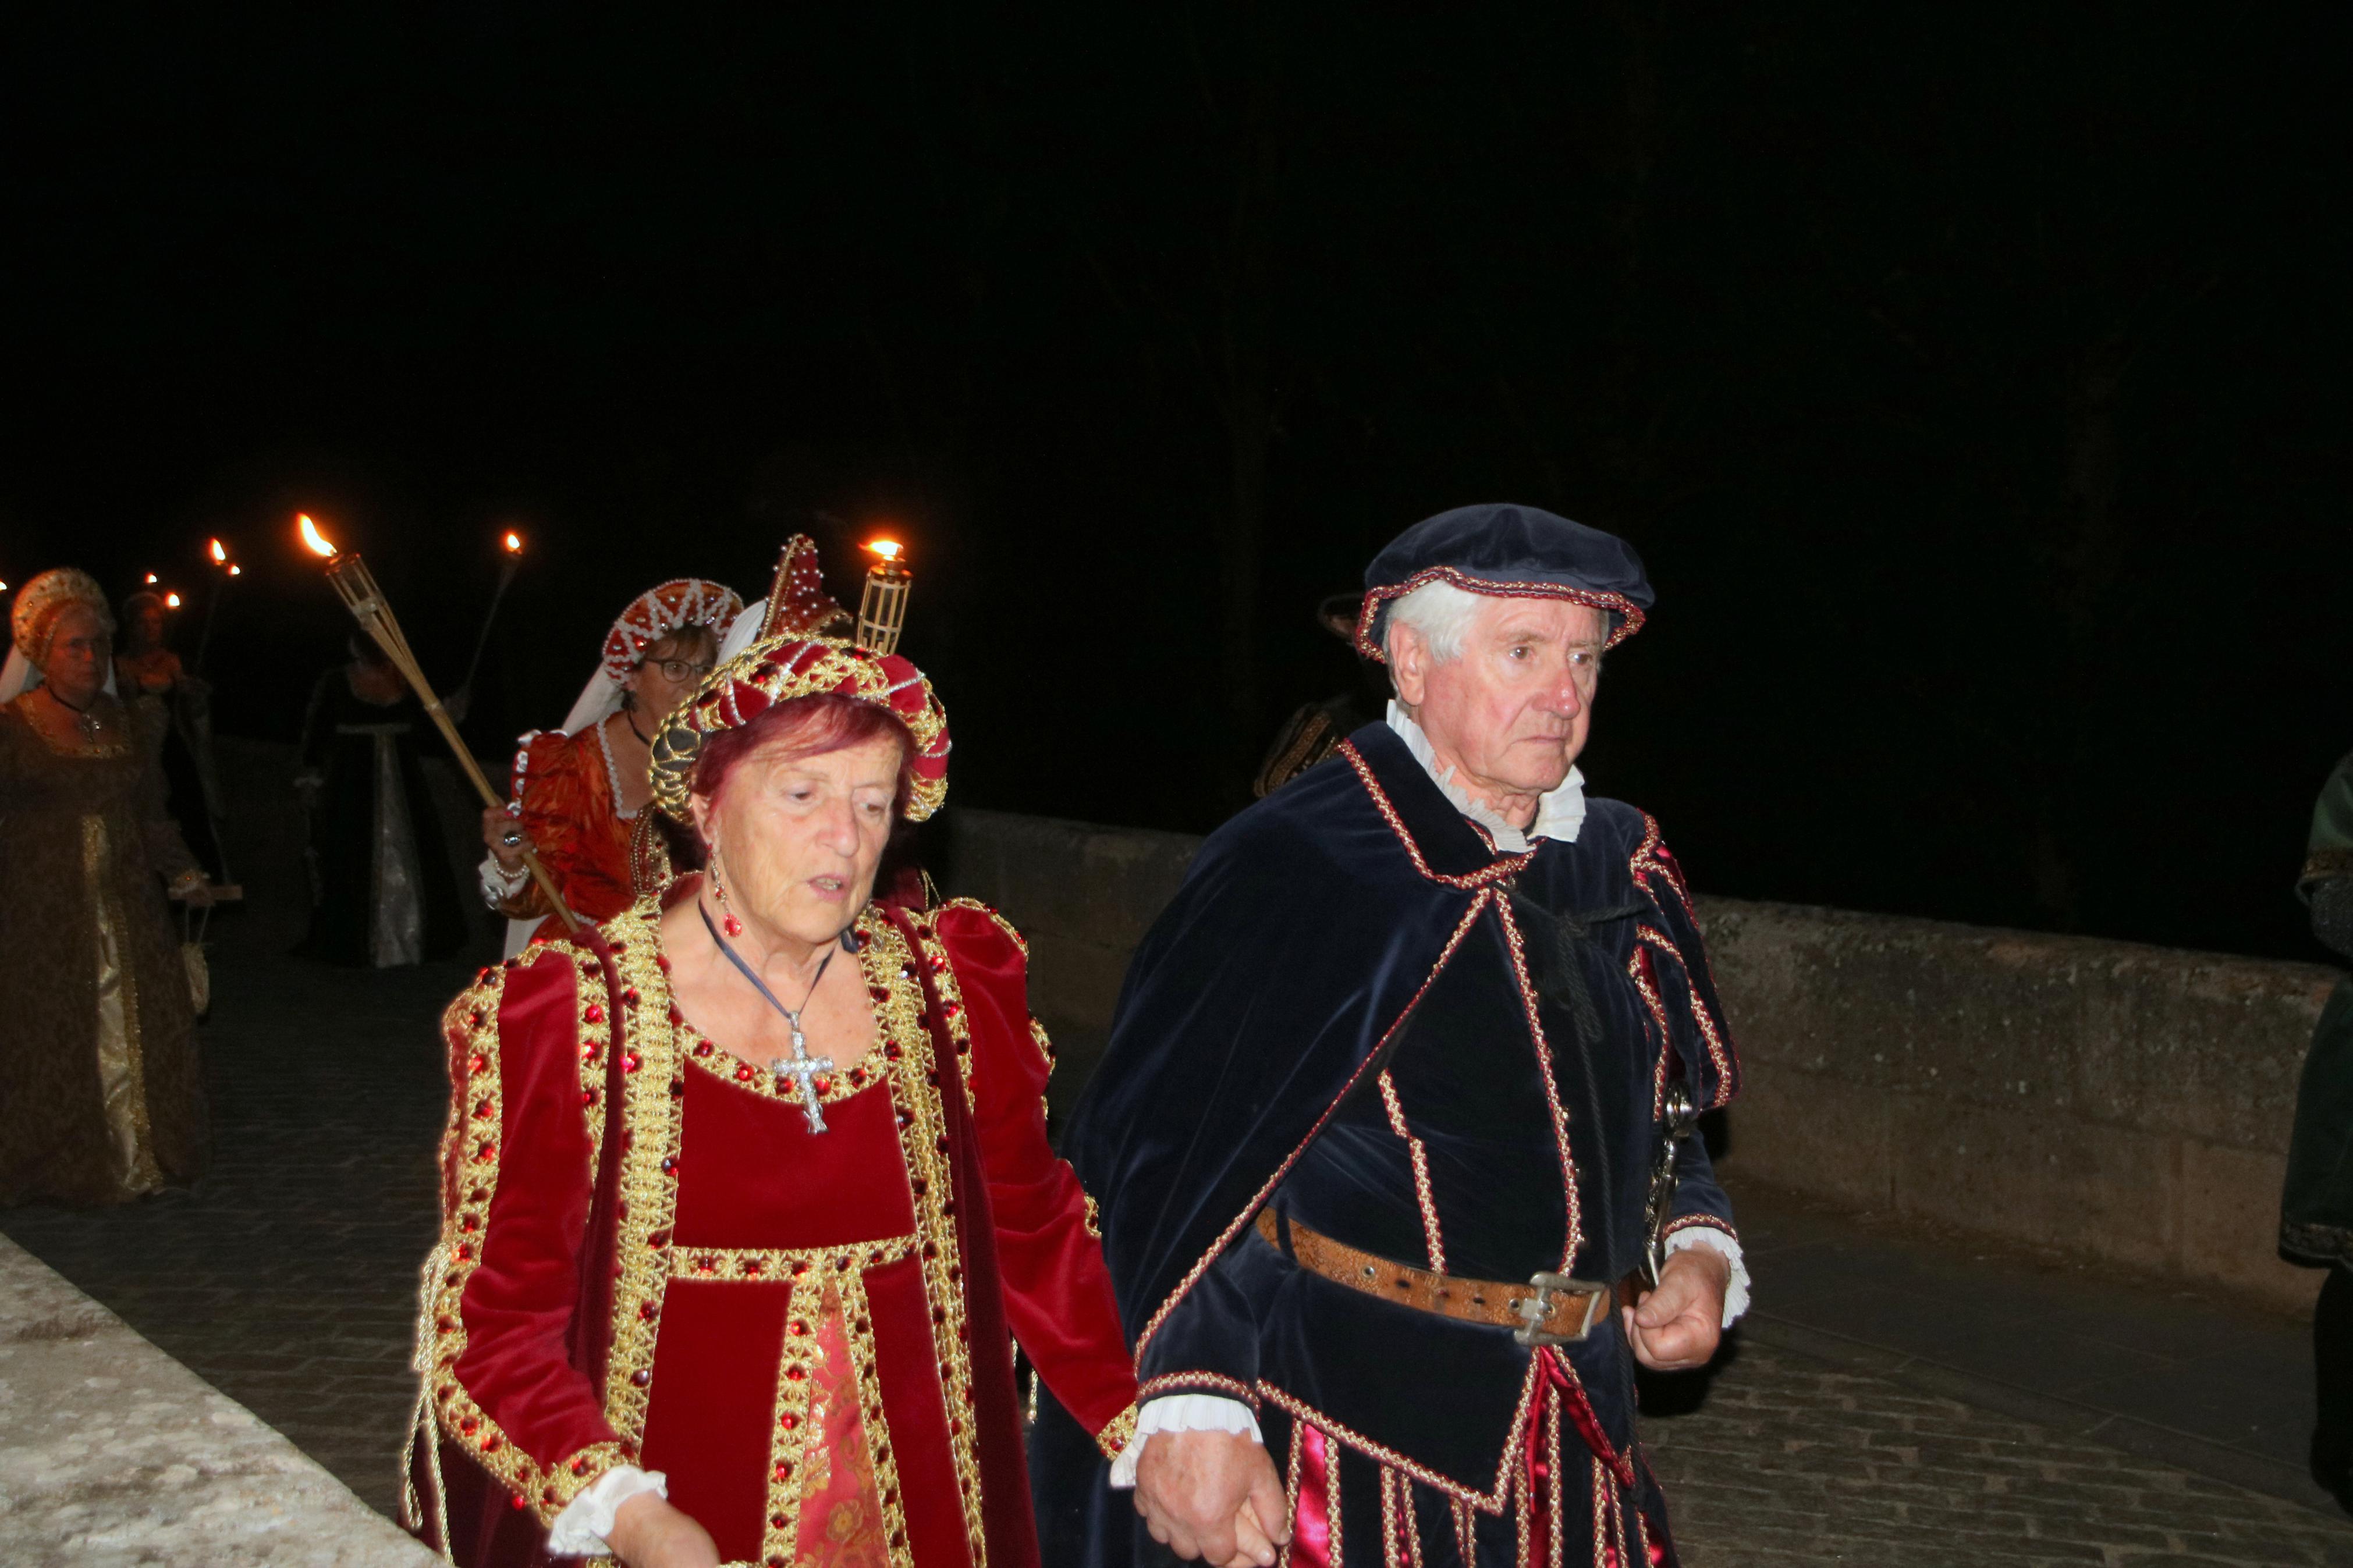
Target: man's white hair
{"type": "Point", "coordinates": [1440, 613]}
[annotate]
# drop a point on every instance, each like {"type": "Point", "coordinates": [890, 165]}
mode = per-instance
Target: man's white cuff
{"type": "Point", "coordinates": [1735, 1290]}
{"type": "Point", "coordinates": [580, 1530]}
{"type": "Point", "coordinates": [1181, 1413]}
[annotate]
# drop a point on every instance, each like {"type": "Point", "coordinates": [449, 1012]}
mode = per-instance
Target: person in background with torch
{"type": "Point", "coordinates": [148, 673]}
{"type": "Point", "coordinates": [581, 792]}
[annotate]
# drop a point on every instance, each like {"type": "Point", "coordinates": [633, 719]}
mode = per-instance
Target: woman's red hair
{"type": "Point", "coordinates": [806, 727]}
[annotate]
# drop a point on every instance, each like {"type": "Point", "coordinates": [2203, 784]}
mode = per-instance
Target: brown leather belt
{"type": "Point", "coordinates": [1544, 1310]}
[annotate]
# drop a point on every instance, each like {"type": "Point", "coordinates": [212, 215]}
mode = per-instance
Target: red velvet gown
{"type": "Point", "coordinates": [808, 1332]}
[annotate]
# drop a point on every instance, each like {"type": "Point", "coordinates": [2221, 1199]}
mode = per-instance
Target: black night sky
{"type": "Point", "coordinates": [1972, 379]}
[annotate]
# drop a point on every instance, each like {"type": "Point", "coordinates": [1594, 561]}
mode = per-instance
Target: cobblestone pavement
{"type": "Point", "coordinates": [1790, 1460]}
{"type": "Point", "coordinates": [287, 1279]}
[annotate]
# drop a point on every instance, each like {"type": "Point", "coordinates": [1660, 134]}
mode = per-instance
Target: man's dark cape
{"type": "Point", "coordinates": [1272, 988]}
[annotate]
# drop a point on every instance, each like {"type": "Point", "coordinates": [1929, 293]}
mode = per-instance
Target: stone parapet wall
{"type": "Point", "coordinates": [2131, 1103]}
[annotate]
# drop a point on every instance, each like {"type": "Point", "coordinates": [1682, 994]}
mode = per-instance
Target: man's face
{"type": "Point", "coordinates": [1513, 712]}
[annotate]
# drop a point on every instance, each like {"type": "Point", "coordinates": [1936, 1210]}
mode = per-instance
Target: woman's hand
{"type": "Point", "coordinates": [502, 836]}
{"type": "Point", "coordinates": [647, 1532]}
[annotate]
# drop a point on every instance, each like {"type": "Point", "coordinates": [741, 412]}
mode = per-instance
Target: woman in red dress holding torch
{"type": "Point", "coordinates": [580, 792]}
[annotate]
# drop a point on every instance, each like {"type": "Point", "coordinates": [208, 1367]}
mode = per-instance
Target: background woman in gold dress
{"type": "Point", "coordinates": [101, 1098]}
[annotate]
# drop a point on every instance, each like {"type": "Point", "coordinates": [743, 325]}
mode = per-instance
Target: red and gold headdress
{"type": "Point", "coordinates": [791, 659]}
{"type": "Point", "coordinates": [657, 611]}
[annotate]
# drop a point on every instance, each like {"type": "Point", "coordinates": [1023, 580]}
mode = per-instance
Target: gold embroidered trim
{"type": "Point", "coordinates": [1511, 865]}
{"type": "Point", "coordinates": [1638, 970]}
{"type": "Point", "coordinates": [706, 1055]}
{"type": "Point", "coordinates": [1094, 1215]}
{"type": "Point", "coordinates": [1432, 1237]}
{"type": "Point", "coordinates": [757, 1264]}
{"type": "Point", "coordinates": [1249, 1210]}
{"type": "Point", "coordinates": [470, 1154]}
{"type": "Point", "coordinates": [944, 987]}
{"type": "Point", "coordinates": [1117, 1433]}
{"type": "Point", "coordinates": [1629, 614]}
{"type": "Point", "coordinates": [790, 1430]}
{"type": "Point", "coordinates": [858, 1323]}
{"type": "Point", "coordinates": [655, 1093]}
{"type": "Point", "coordinates": [1193, 1382]}
{"type": "Point", "coordinates": [1727, 1072]}
{"type": "Point", "coordinates": [1491, 1501]}
{"type": "Point", "coordinates": [892, 983]}
{"type": "Point", "coordinates": [1528, 1006]}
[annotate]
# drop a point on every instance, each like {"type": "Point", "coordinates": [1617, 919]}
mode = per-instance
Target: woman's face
{"type": "Point", "coordinates": [798, 838]}
{"type": "Point", "coordinates": [671, 669]}
{"type": "Point", "coordinates": [147, 627]}
{"type": "Point", "coordinates": [79, 650]}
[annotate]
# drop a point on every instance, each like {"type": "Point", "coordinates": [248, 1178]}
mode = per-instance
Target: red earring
{"type": "Point", "coordinates": [727, 919]}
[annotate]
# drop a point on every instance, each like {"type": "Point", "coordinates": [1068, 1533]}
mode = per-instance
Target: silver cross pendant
{"type": "Point", "coordinates": [803, 1071]}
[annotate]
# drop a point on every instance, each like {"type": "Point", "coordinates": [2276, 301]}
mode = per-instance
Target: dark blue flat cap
{"type": "Point", "coordinates": [1513, 553]}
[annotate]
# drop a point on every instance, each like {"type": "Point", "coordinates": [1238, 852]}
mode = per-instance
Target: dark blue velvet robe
{"type": "Point", "coordinates": [1357, 1011]}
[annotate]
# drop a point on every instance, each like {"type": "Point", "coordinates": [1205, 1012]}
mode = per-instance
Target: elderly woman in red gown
{"type": "Point", "coordinates": [747, 1193]}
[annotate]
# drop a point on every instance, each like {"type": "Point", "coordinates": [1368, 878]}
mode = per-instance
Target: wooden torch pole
{"type": "Point", "coordinates": [355, 586]}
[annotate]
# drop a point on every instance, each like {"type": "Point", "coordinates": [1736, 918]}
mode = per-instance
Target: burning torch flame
{"type": "Point", "coordinates": [171, 601]}
{"type": "Point", "coordinates": [886, 548]}
{"type": "Point", "coordinates": [514, 543]}
{"type": "Point", "coordinates": [318, 541]}
{"type": "Point", "coordinates": [236, 571]}
{"type": "Point", "coordinates": [150, 579]}
{"type": "Point", "coordinates": [220, 553]}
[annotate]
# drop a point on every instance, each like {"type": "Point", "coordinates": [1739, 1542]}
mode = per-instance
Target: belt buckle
{"type": "Point", "coordinates": [1533, 1310]}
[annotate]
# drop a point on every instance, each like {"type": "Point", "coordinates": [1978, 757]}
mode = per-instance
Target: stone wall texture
{"type": "Point", "coordinates": [2127, 1103]}
{"type": "Point", "coordinates": [113, 1455]}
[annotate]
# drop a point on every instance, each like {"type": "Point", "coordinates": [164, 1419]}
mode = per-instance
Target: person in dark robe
{"type": "Point", "coordinates": [1377, 1140]}
{"type": "Point", "coordinates": [2317, 1204]}
{"type": "Point", "coordinates": [383, 890]}
{"type": "Point", "coordinates": [148, 672]}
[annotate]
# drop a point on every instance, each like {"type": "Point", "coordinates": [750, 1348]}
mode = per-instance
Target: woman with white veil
{"type": "Point", "coordinates": [580, 792]}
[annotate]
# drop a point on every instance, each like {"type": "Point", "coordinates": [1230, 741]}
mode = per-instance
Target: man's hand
{"type": "Point", "coordinates": [649, 1533]}
{"type": "Point", "coordinates": [1678, 1326]}
{"type": "Point", "coordinates": [1213, 1496]}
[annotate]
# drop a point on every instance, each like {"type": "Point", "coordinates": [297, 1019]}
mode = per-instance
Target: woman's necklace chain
{"type": "Point", "coordinates": [84, 719]}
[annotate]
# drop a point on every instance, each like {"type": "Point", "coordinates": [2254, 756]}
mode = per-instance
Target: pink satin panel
{"type": "Point", "coordinates": [1310, 1521]}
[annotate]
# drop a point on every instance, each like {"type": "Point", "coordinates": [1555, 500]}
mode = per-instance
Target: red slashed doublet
{"type": "Point", "coordinates": [809, 1334]}
{"type": "Point", "coordinates": [574, 819]}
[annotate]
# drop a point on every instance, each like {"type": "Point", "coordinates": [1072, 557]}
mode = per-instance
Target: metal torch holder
{"type": "Point", "coordinates": [882, 609]}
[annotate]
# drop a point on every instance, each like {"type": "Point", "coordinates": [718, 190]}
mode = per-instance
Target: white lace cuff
{"type": "Point", "coordinates": [1181, 1413]}
{"type": "Point", "coordinates": [579, 1531]}
{"type": "Point", "coordinates": [1735, 1290]}
{"type": "Point", "coordinates": [498, 884]}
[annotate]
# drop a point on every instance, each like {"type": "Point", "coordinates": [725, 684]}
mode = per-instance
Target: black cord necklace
{"type": "Point", "coordinates": [801, 1068]}
{"type": "Point", "coordinates": [83, 718]}
{"type": "Point", "coordinates": [630, 718]}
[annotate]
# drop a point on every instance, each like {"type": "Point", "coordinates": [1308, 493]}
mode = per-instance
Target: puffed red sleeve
{"type": "Point", "coordinates": [566, 814]}
{"type": "Point", "coordinates": [1058, 1293]}
{"type": "Point", "coordinates": [505, 1278]}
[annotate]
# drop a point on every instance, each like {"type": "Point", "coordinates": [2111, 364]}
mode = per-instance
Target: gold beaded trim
{"type": "Point", "coordinates": [792, 1263]}
{"type": "Point", "coordinates": [470, 1159]}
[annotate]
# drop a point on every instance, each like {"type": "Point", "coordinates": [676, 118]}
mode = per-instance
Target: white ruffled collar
{"type": "Point", "coordinates": [1559, 814]}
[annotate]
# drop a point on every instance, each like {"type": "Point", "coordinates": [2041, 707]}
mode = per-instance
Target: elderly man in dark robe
{"type": "Point", "coordinates": [1379, 1142]}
